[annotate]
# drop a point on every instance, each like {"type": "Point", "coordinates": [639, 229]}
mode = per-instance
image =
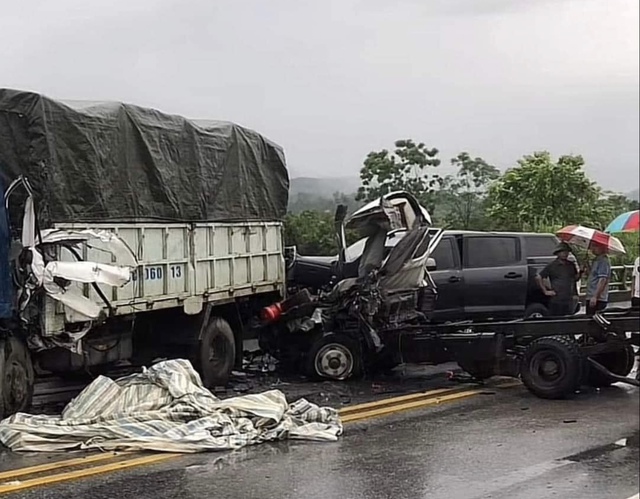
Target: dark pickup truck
{"type": "Point", "coordinates": [478, 275]}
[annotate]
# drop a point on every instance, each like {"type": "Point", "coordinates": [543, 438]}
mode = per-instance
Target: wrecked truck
{"type": "Point", "coordinates": [380, 313]}
{"type": "Point", "coordinates": [127, 234]}
{"type": "Point", "coordinates": [360, 322]}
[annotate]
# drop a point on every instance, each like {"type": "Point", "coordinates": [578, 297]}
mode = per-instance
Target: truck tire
{"type": "Point", "coordinates": [619, 362]}
{"type": "Point", "coordinates": [217, 353]}
{"type": "Point", "coordinates": [479, 369]}
{"type": "Point", "coordinates": [335, 357]}
{"type": "Point", "coordinates": [17, 377]}
{"type": "Point", "coordinates": [552, 367]}
{"type": "Point", "coordinates": [536, 310]}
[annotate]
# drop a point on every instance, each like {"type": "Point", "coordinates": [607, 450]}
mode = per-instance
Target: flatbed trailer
{"type": "Point", "coordinates": [554, 356]}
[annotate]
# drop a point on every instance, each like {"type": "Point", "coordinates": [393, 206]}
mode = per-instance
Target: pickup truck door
{"type": "Point", "coordinates": [495, 276]}
{"type": "Point", "coordinates": [448, 280]}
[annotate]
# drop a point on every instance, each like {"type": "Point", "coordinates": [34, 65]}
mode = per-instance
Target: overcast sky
{"type": "Point", "coordinates": [331, 80]}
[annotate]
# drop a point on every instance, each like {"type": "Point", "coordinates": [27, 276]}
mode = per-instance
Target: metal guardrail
{"type": "Point", "coordinates": [619, 286]}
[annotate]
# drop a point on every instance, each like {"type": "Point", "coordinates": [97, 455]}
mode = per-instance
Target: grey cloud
{"type": "Point", "coordinates": [333, 80]}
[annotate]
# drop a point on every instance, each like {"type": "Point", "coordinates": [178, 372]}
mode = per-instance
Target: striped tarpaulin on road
{"type": "Point", "coordinates": [166, 408]}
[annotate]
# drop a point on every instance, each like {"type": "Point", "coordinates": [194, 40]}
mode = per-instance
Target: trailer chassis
{"type": "Point", "coordinates": [554, 356]}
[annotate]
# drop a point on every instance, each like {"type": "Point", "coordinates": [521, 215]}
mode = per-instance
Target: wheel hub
{"type": "Point", "coordinates": [334, 361]}
{"type": "Point", "coordinates": [550, 368]}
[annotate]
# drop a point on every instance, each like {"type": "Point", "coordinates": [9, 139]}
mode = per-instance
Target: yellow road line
{"type": "Point", "coordinates": [67, 463]}
{"type": "Point", "coordinates": [85, 472]}
{"type": "Point", "coordinates": [392, 401]}
{"type": "Point", "coordinates": [384, 411]}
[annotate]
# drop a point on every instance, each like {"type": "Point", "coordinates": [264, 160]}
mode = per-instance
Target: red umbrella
{"type": "Point", "coordinates": [587, 238]}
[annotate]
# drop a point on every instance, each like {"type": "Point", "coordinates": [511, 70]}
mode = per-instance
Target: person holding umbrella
{"type": "Point", "coordinates": [601, 245]}
{"type": "Point", "coordinates": [598, 280]}
{"type": "Point", "coordinates": [635, 284]}
{"type": "Point", "coordinates": [562, 275]}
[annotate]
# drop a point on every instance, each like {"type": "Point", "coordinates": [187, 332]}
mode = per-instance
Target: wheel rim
{"type": "Point", "coordinates": [547, 368]}
{"type": "Point", "coordinates": [536, 315]}
{"type": "Point", "coordinates": [15, 386]}
{"type": "Point", "coordinates": [334, 361]}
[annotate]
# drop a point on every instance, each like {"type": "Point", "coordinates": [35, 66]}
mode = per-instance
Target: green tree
{"type": "Point", "coordinates": [462, 197]}
{"type": "Point", "coordinates": [540, 193]}
{"type": "Point", "coordinates": [313, 233]}
{"type": "Point", "coordinates": [611, 205]}
{"type": "Point", "coordinates": [407, 168]}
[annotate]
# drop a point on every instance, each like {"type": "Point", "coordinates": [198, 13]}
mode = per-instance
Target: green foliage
{"type": "Point", "coordinates": [407, 168]}
{"type": "Point", "coordinates": [462, 197]}
{"type": "Point", "coordinates": [541, 192]}
{"type": "Point", "coordinates": [313, 232]}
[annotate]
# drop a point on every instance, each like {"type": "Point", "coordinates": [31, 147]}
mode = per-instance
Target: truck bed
{"type": "Point", "coordinates": [182, 265]}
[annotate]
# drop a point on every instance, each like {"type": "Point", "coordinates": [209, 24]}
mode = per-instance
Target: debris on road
{"type": "Point", "coordinates": [166, 408]}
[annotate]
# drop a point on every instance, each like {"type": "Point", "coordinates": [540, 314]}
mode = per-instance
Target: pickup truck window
{"type": "Point", "coordinates": [539, 246]}
{"type": "Point", "coordinates": [443, 255]}
{"type": "Point", "coordinates": [482, 252]}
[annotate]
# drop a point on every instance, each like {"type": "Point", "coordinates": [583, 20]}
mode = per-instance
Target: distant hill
{"type": "Point", "coordinates": [324, 187]}
{"type": "Point", "coordinates": [635, 195]}
{"type": "Point", "coordinates": [322, 194]}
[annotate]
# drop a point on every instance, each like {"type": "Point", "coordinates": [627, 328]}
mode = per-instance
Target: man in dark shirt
{"type": "Point", "coordinates": [562, 275]}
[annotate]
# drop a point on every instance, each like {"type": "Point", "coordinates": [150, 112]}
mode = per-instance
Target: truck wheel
{"type": "Point", "coordinates": [552, 367]}
{"type": "Point", "coordinates": [619, 362]}
{"type": "Point", "coordinates": [334, 356]}
{"type": "Point", "coordinates": [480, 370]}
{"type": "Point", "coordinates": [217, 353]}
{"type": "Point", "coordinates": [17, 377]}
{"type": "Point", "coordinates": [536, 310]}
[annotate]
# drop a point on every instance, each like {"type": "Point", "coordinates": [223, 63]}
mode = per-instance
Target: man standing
{"type": "Point", "coordinates": [635, 285]}
{"type": "Point", "coordinates": [598, 281]}
{"type": "Point", "coordinates": [562, 276]}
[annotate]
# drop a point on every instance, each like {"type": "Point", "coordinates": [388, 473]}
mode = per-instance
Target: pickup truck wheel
{"type": "Point", "coordinates": [334, 356]}
{"type": "Point", "coordinates": [536, 310]}
{"type": "Point", "coordinates": [619, 362]}
{"type": "Point", "coordinates": [217, 353]}
{"type": "Point", "coordinates": [16, 377]}
{"type": "Point", "coordinates": [552, 367]}
{"type": "Point", "coordinates": [480, 370]}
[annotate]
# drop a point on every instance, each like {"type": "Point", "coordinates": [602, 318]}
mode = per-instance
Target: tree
{"type": "Point", "coordinates": [540, 193]}
{"type": "Point", "coordinates": [612, 205]}
{"type": "Point", "coordinates": [313, 233]}
{"type": "Point", "coordinates": [463, 195]}
{"type": "Point", "coordinates": [404, 169]}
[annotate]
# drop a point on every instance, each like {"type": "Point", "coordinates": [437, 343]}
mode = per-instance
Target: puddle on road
{"type": "Point", "coordinates": [596, 452]}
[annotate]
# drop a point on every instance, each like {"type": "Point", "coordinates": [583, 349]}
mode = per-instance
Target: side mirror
{"type": "Point", "coordinates": [431, 265]}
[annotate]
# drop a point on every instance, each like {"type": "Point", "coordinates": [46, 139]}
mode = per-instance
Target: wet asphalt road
{"type": "Point", "coordinates": [502, 444]}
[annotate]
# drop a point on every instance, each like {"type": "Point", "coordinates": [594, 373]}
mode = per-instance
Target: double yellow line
{"type": "Point", "coordinates": [91, 465]}
{"type": "Point", "coordinates": [389, 406]}
{"type": "Point", "coordinates": [11, 481]}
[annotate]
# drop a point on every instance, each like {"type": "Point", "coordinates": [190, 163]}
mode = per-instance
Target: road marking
{"type": "Point", "coordinates": [68, 463]}
{"type": "Point", "coordinates": [85, 472]}
{"type": "Point", "coordinates": [637, 496]}
{"type": "Point", "coordinates": [392, 409]}
{"type": "Point", "coordinates": [392, 401]}
{"type": "Point", "coordinates": [413, 401]}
